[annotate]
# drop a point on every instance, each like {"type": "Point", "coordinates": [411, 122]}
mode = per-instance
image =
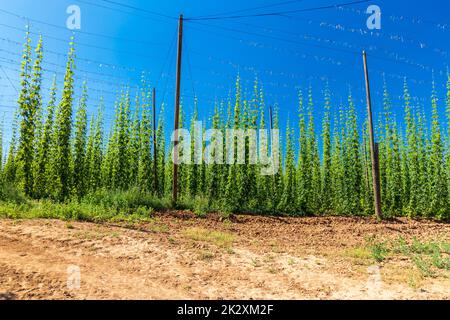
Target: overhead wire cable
{"type": "Point", "coordinates": [62, 66]}
{"type": "Point", "coordinates": [273, 37]}
{"type": "Point", "coordinates": [123, 11]}
{"type": "Point", "coordinates": [10, 82]}
{"type": "Point", "coordinates": [250, 9]}
{"type": "Point", "coordinates": [79, 31]}
{"type": "Point", "coordinates": [300, 42]}
{"type": "Point", "coordinates": [88, 61]}
{"type": "Point", "coordinates": [138, 9]}
{"type": "Point", "coordinates": [79, 43]}
{"type": "Point", "coordinates": [318, 39]}
{"type": "Point", "coordinates": [172, 54]}
{"type": "Point", "coordinates": [166, 60]}
{"type": "Point", "coordinates": [280, 13]}
{"type": "Point", "coordinates": [190, 69]}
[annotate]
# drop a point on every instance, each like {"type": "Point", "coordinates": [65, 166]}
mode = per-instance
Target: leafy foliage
{"type": "Point", "coordinates": [52, 156]}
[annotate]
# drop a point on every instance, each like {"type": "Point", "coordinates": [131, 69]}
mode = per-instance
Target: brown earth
{"type": "Point", "coordinates": [179, 256]}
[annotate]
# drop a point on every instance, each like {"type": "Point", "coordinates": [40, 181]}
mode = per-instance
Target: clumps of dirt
{"type": "Point", "coordinates": [177, 255]}
{"type": "Point", "coordinates": [30, 285]}
{"type": "Point", "coordinates": [317, 232]}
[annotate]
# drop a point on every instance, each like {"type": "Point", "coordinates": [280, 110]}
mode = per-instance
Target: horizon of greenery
{"type": "Point", "coordinates": [53, 157]}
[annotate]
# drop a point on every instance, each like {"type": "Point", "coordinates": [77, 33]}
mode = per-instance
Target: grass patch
{"type": "Point", "coordinates": [220, 239]}
{"type": "Point", "coordinates": [115, 234]}
{"type": "Point", "coordinates": [414, 280]}
{"type": "Point", "coordinates": [379, 251]}
{"type": "Point", "coordinates": [69, 225]}
{"type": "Point", "coordinates": [114, 207]}
{"type": "Point", "coordinates": [431, 258]}
{"type": "Point", "coordinates": [158, 227]}
{"type": "Point", "coordinates": [230, 250]}
{"type": "Point", "coordinates": [206, 255]}
{"type": "Point", "coordinates": [9, 193]}
{"type": "Point", "coordinates": [133, 200]}
{"type": "Point", "coordinates": [360, 255]}
{"type": "Point", "coordinates": [404, 273]}
{"type": "Point", "coordinates": [201, 206]}
{"type": "Point", "coordinates": [130, 206]}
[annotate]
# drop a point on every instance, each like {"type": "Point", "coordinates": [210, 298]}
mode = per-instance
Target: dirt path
{"type": "Point", "coordinates": [178, 256]}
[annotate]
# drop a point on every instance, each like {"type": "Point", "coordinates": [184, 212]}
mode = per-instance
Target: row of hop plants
{"type": "Point", "coordinates": [52, 156]}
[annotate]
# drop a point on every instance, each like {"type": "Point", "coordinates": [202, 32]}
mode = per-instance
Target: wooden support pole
{"type": "Point", "coordinates": [373, 148]}
{"type": "Point", "coordinates": [155, 155]}
{"type": "Point", "coordinates": [273, 157]}
{"type": "Point", "coordinates": [177, 111]}
{"type": "Point", "coordinates": [366, 164]}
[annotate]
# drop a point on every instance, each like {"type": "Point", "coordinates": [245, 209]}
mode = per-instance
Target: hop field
{"type": "Point", "coordinates": [272, 176]}
{"type": "Point", "coordinates": [58, 154]}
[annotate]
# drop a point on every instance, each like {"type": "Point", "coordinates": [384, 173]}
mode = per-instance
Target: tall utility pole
{"type": "Point", "coordinates": [373, 151]}
{"type": "Point", "coordinates": [177, 111]}
{"type": "Point", "coordinates": [155, 156]}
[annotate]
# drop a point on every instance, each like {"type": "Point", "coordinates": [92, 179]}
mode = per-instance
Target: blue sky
{"type": "Point", "coordinates": [286, 52]}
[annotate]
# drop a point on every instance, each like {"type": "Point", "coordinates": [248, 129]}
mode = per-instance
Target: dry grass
{"type": "Point", "coordinates": [358, 255]}
{"type": "Point", "coordinates": [205, 255]}
{"type": "Point", "coordinates": [157, 227]}
{"type": "Point", "coordinates": [218, 238]}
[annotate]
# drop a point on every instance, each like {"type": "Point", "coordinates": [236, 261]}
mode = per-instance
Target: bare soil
{"type": "Point", "coordinates": [180, 256]}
